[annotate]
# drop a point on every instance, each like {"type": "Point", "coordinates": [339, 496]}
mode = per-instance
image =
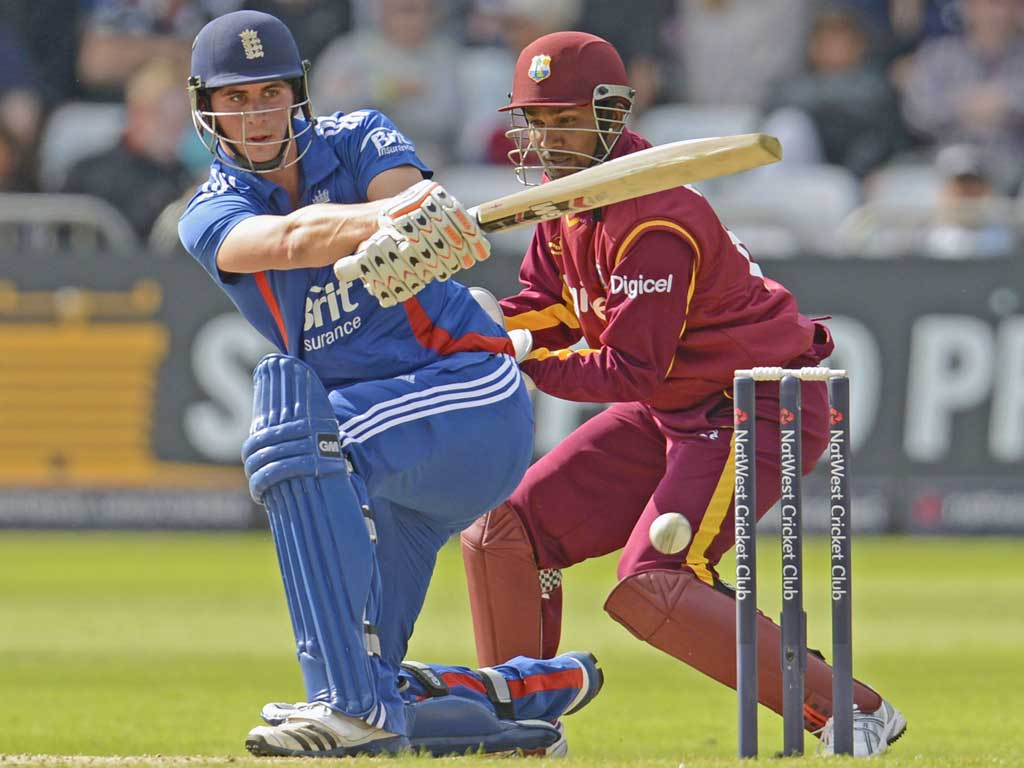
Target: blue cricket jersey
{"type": "Point", "coordinates": [337, 327]}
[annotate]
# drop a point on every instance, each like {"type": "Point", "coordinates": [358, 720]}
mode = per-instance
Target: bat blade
{"type": "Point", "coordinates": [635, 175]}
{"type": "Point", "coordinates": [641, 173]}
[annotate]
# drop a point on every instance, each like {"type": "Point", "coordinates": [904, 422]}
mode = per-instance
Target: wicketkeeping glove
{"type": "Point", "coordinates": [425, 235]}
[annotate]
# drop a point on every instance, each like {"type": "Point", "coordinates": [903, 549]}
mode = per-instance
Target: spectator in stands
{"type": "Point", "coordinates": [11, 173]}
{"type": "Point", "coordinates": [642, 41]}
{"type": "Point", "coordinates": [900, 26]}
{"type": "Point", "coordinates": [142, 174]}
{"type": "Point", "coordinates": [403, 66]}
{"type": "Point", "coordinates": [852, 109]}
{"type": "Point", "coordinates": [314, 23]}
{"type": "Point", "coordinates": [972, 220]}
{"type": "Point", "coordinates": [47, 33]}
{"type": "Point", "coordinates": [505, 27]}
{"type": "Point", "coordinates": [120, 36]}
{"type": "Point", "coordinates": [970, 88]}
{"type": "Point", "coordinates": [730, 50]}
{"type": "Point", "coordinates": [21, 105]}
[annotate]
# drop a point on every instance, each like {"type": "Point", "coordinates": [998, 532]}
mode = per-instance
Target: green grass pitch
{"type": "Point", "coordinates": [166, 645]}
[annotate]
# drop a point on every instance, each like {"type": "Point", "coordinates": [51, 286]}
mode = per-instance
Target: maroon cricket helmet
{"type": "Point", "coordinates": [565, 69]}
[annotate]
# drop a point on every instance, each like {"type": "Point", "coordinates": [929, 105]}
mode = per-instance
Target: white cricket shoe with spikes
{"type": "Point", "coordinates": [316, 730]}
{"type": "Point", "coordinates": [872, 732]}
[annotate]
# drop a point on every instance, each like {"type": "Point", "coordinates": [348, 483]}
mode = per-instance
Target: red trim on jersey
{"type": "Point", "coordinates": [268, 296]}
{"type": "Point", "coordinates": [438, 339]}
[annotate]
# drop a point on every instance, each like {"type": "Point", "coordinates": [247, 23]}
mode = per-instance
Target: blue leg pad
{"type": "Point", "coordinates": [296, 469]}
{"type": "Point", "coordinates": [455, 726]}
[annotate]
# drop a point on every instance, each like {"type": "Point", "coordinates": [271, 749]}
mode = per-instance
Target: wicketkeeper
{"type": "Point", "coordinates": [650, 305]}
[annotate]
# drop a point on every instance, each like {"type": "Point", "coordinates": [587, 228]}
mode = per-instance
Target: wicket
{"type": "Point", "coordinates": [793, 621]}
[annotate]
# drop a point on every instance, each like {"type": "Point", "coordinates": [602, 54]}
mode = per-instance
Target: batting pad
{"type": "Point", "coordinates": [296, 469]}
{"type": "Point", "coordinates": [454, 726]}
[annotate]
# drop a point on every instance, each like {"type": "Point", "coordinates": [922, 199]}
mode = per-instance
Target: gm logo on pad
{"type": "Point", "coordinates": [329, 446]}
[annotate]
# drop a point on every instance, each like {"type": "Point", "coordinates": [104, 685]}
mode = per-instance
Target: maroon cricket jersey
{"type": "Point", "coordinates": [667, 299]}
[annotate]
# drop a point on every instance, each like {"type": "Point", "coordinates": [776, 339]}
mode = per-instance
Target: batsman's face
{"type": "Point", "coordinates": [255, 117]}
{"type": "Point", "coordinates": [565, 137]}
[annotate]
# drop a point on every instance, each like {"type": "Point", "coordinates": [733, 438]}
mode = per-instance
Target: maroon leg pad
{"type": "Point", "coordinates": [679, 614]}
{"type": "Point", "coordinates": [511, 614]}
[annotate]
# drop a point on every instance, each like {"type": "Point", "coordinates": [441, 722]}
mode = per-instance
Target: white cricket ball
{"type": "Point", "coordinates": [670, 533]}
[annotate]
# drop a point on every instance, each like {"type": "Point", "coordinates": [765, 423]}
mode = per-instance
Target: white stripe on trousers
{"type": "Point", "coordinates": [505, 388]}
{"type": "Point", "coordinates": [355, 423]}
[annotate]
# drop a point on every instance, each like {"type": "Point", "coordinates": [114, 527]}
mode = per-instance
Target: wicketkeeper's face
{"type": "Point", "coordinates": [565, 137]}
{"type": "Point", "coordinates": [253, 118]}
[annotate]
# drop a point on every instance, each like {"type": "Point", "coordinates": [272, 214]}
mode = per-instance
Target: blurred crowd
{"type": "Point", "coordinates": [891, 112]}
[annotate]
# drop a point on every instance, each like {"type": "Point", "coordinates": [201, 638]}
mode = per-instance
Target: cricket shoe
{"type": "Point", "coordinates": [872, 733]}
{"type": "Point", "coordinates": [316, 730]}
{"type": "Point", "coordinates": [276, 712]}
{"type": "Point", "coordinates": [559, 749]}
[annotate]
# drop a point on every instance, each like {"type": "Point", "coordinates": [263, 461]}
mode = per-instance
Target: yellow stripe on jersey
{"type": "Point", "coordinates": [711, 522]}
{"type": "Point", "coordinates": [638, 230]}
{"type": "Point", "coordinates": [549, 317]}
{"type": "Point", "coordinates": [689, 298]}
{"type": "Point", "coordinates": [539, 319]}
{"type": "Point", "coordinates": [561, 354]}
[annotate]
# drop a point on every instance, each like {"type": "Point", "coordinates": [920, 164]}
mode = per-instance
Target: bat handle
{"type": "Point", "coordinates": [346, 269]}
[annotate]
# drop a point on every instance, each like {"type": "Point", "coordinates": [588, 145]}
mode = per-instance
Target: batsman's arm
{"type": "Point", "coordinates": [314, 235]}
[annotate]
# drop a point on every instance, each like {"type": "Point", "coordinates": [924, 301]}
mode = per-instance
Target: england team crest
{"type": "Point", "coordinates": [540, 68]}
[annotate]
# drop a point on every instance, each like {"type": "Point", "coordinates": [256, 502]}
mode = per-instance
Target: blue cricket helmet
{"type": "Point", "coordinates": [245, 47]}
{"type": "Point", "coordinates": [240, 48]}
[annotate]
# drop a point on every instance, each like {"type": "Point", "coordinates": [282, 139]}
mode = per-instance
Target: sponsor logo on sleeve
{"type": "Point", "coordinates": [388, 141]}
{"type": "Point", "coordinates": [640, 285]}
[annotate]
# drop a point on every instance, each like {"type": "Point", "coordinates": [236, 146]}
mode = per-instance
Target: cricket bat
{"type": "Point", "coordinates": [641, 173]}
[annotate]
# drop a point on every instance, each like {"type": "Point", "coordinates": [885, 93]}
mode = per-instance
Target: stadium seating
{"type": "Point", "coordinates": [76, 130]}
{"type": "Point", "coordinates": [808, 201]}
{"type": "Point", "coordinates": [676, 122]}
{"type": "Point", "coordinates": [912, 185]}
{"type": "Point", "coordinates": [51, 223]}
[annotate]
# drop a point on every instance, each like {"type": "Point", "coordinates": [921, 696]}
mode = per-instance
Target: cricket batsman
{"type": "Point", "coordinates": [380, 428]}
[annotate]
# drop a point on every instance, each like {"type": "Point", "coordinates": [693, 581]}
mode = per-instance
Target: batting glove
{"type": "Point", "coordinates": [388, 266]}
{"type": "Point", "coordinates": [424, 235]}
